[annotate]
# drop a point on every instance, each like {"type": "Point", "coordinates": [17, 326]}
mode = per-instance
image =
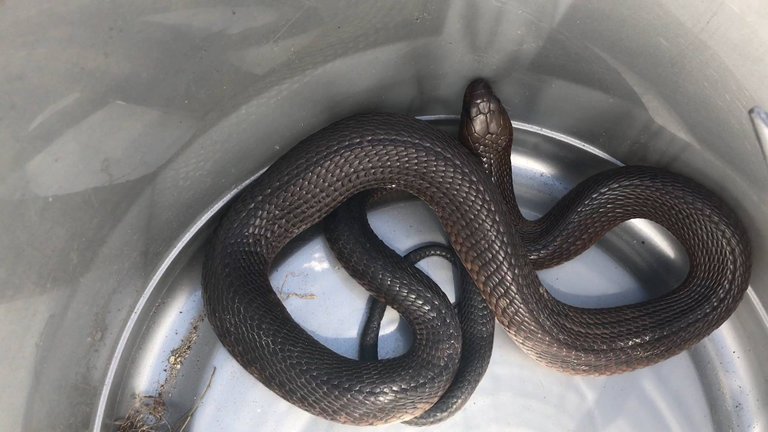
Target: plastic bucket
{"type": "Point", "coordinates": [126, 126]}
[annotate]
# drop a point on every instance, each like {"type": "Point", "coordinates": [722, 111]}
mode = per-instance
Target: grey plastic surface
{"type": "Point", "coordinates": [123, 123]}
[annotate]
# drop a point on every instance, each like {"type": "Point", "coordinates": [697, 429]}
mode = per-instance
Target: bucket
{"type": "Point", "coordinates": [127, 127]}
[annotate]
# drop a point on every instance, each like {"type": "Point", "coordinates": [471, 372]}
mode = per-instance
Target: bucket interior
{"type": "Point", "coordinates": [127, 127]}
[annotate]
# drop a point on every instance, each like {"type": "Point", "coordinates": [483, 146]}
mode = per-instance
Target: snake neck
{"type": "Point", "coordinates": [497, 162]}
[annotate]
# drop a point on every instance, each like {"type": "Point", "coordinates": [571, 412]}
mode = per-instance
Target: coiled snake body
{"type": "Point", "coordinates": [363, 254]}
{"type": "Point", "coordinates": [497, 247]}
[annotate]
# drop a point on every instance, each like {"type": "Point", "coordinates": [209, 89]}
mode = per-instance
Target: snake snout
{"type": "Point", "coordinates": [479, 87]}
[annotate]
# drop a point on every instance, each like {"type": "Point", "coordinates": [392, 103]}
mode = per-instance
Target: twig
{"type": "Point", "coordinates": [187, 417]}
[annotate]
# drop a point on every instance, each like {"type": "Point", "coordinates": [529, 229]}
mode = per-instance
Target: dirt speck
{"type": "Point", "coordinates": [180, 353]}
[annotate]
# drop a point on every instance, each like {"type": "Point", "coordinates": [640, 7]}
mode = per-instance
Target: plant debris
{"type": "Point", "coordinates": [147, 415]}
{"type": "Point", "coordinates": [149, 412]}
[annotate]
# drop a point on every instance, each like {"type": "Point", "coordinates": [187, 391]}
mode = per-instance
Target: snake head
{"type": "Point", "coordinates": [485, 127]}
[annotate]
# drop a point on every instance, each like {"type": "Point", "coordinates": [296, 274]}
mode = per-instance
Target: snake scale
{"type": "Point", "coordinates": [498, 249]}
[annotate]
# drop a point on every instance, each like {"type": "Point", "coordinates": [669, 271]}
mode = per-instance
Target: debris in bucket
{"type": "Point", "coordinates": [285, 294]}
{"type": "Point", "coordinates": [149, 413]}
{"type": "Point", "coordinates": [180, 353]}
{"type": "Point", "coordinates": [188, 416]}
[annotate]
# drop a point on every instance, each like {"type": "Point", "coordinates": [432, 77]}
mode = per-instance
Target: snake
{"type": "Point", "coordinates": [499, 250]}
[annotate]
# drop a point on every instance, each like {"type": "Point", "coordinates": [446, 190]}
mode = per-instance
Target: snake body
{"type": "Point", "coordinates": [493, 243]}
{"type": "Point", "coordinates": [363, 254]}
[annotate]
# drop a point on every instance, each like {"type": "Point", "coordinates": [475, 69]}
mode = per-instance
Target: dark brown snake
{"type": "Point", "coordinates": [494, 244]}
